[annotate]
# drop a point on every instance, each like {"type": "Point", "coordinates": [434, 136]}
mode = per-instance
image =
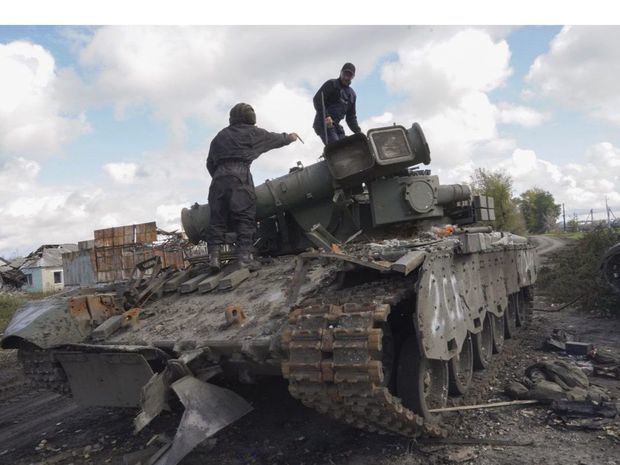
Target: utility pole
{"type": "Point", "coordinates": [564, 216]}
{"type": "Point", "coordinates": [607, 210]}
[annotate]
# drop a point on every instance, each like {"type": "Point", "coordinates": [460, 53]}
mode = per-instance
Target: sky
{"type": "Point", "coordinates": [110, 125]}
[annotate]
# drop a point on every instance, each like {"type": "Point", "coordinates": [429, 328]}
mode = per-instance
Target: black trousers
{"type": "Point", "coordinates": [336, 132]}
{"type": "Point", "coordinates": [232, 205]}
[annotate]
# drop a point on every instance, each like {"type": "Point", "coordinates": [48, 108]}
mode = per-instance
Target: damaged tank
{"type": "Point", "coordinates": [379, 295]}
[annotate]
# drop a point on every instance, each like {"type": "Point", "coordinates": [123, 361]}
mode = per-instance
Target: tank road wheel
{"type": "Point", "coordinates": [422, 384]}
{"type": "Point", "coordinates": [461, 368]}
{"type": "Point", "coordinates": [483, 345]}
{"type": "Point", "coordinates": [499, 333]}
{"type": "Point", "coordinates": [511, 317]}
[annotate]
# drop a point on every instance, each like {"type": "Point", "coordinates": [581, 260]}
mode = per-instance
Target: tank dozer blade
{"type": "Point", "coordinates": [208, 409]}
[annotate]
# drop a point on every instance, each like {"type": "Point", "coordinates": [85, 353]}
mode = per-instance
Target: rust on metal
{"type": "Point", "coordinates": [234, 314]}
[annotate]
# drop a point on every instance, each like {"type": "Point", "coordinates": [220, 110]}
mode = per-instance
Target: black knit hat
{"type": "Point", "coordinates": [350, 67]}
{"type": "Point", "coordinates": [242, 113]}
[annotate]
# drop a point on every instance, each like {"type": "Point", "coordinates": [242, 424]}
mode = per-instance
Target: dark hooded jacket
{"type": "Point", "coordinates": [339, 104]}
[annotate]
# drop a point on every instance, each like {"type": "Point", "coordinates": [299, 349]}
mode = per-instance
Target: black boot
{"type": "Point", "coordinates": [214, 258]}
{"type": "Point", "coordinates": [246, 260]}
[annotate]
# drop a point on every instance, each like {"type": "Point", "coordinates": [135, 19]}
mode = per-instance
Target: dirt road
{"type": "Point", "coordinates": [547, 244]}
{"type": "Point", "coordinates": [38, 427]}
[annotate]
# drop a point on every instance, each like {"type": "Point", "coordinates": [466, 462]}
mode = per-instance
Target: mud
{"type": "Point", "coordinates": [38, 427]}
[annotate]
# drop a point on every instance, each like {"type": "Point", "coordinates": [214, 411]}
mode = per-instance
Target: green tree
{"type": "Point", "coordinates": [498, 184]}
{"type": "Point", "coordinates": [572, 225]}
{"type": "Point", "coordinates": [539, 210]}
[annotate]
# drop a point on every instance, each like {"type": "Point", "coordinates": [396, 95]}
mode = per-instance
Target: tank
{"type": "Point", "coordinates": [381, 291]}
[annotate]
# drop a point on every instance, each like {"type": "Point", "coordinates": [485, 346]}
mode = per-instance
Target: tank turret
{"type": "Point", "coordinates": [363, 182]}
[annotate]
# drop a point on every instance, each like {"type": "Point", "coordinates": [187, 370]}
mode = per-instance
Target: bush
{"type": "Point", "coordinates": [576, 273]}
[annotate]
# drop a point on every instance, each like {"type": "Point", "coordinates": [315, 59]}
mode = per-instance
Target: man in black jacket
{"type": "Point", "coordinates": [232, 201]}
{"type": "Point", "coordinates": [334, 101]}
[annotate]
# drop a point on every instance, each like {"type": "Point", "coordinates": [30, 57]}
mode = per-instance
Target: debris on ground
{"type": "Point", "coordinates": [592, 360]}
{"type": "Point", "coordinates": [549, 381]}
{"type": "Point", "coordinates": [587, 415]}
{"type": "Point", "coordinates": [606, 363]}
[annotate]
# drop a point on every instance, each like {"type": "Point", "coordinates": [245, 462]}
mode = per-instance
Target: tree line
{"type": "Point", "coordinates": [534, 211]}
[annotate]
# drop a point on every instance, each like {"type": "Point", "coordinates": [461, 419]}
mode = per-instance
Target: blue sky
{"type": "Point", "coordinates": [111, 125]}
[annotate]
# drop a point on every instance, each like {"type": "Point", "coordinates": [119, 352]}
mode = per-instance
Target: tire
{"type": "Point", "coordinates": [483, 345]}
{"type": "Point", "coordinates": [422, 384]}
{"type": "Point", "coordinates": [461, 368]}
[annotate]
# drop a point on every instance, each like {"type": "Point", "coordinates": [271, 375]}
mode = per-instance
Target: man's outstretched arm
{"type": "Point", "coordinates": [265, 140]}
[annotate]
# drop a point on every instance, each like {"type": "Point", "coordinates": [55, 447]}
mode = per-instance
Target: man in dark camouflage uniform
{"type": "Point", "coordinates": [232, 201]}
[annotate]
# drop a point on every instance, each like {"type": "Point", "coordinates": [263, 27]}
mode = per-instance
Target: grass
{"type": "Point", "coordinates": [9, 303]}
{"type": "Point", "coordinates": [575, 235]}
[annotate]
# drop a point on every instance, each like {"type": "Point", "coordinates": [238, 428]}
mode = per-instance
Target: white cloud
{"type": "Point", "coordinates": [33, 117]}
{"type": "Point", "coordinates": [521, 115]}
{"type": "Point", "coordinates": [122, 173]}
{"type": "Point", "coordinates": [32, 213]}
{"type": "Point", "coordinates": [181, 72]}
{"type": "Point", "coordinates": [579, 185]}
{"type": "Point", "coordinates": [580, 71]}
{"type": "Point", "coordinates": [445, 82]}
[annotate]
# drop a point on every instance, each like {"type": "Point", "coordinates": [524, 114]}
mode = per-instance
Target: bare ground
{"type": "Point", "coordinates": [39, 427]}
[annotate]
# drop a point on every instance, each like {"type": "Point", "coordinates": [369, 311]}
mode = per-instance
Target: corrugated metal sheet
{"type": "Point", "coordinates": [144, 233]}
{"type": "Point", "coordinates": [79, 268]}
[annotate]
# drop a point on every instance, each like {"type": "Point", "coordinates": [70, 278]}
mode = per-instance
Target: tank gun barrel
{"type": "Point", "coordinates": [301, 186]}
{"type": "Point", "coordinates": [451, 193]}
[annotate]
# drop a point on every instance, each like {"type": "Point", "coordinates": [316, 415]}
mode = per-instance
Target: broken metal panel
{"type": "Point", "coordinates": [45, 323]}
{"type": "Point", "coordinates": [153, 399]}
{"type": "Point", "coordinates": [527, 267]}
{"type": "Point", "coordinates": [105, 379]}
{"type": "Point", "coordinates": [208, 409]}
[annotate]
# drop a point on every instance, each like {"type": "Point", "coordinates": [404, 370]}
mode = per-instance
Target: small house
{"type": "Point", "coordinates": [43, 268]}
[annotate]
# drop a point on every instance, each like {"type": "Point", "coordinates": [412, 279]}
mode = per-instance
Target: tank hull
{"type": "Point", "coordinates": [304, 318]}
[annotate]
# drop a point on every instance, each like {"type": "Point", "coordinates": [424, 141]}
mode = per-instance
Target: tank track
{"type": "Point", "coordinates": [43, 371]}
{"type": "Point", "coordinates": [336, 366]}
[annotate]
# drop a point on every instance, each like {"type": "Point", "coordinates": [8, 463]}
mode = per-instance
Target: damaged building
{"type": "Point", "coordinates": [114, 252]}
{"type": "Point", "coordinates": [43, 268]}
{"type": "Point", "coordinates": [10, 275]}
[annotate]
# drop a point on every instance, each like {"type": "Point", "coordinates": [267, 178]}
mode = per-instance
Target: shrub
{"type": "Point", "coordinates": [576, 273]}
